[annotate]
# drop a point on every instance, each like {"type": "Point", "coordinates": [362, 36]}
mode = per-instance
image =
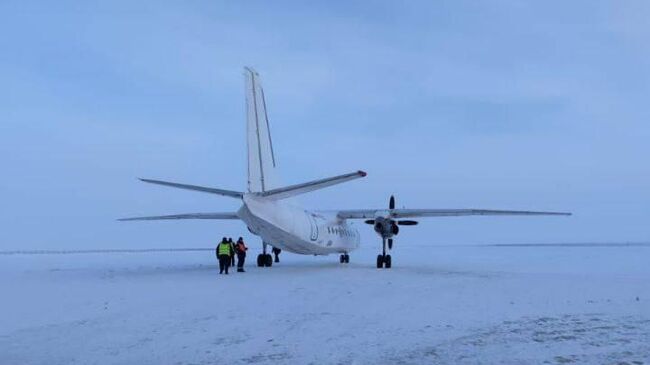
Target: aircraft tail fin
{"type": "Point", "coordinates": [262, 169]}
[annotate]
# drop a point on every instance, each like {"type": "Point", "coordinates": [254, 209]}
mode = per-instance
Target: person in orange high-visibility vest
{"type": "Point", "coordinates": [240, 250]}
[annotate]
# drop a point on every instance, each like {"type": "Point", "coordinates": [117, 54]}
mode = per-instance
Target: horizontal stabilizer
{"type": "Point", "coordinates": [414, 213]}
{"type": "Point", "coordinates": [289, 191]}
{"type": "Point", "coordinates": [230, 193]}
{"type": "Point", "coordinates": [184, 216]}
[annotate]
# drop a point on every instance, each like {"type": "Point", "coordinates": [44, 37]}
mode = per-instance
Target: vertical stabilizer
{"type": "Point", "coordinates": [262, 170]}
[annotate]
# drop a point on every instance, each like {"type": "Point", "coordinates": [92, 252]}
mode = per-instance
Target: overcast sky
{"type": "Point", "coordinates": [446, 104]}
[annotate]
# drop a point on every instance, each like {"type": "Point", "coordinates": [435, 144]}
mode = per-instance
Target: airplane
{"type": "Point", "coordinates": [282, 223]}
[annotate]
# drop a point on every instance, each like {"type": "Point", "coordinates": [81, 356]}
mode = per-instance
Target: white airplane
{"type": "Point", "coordinates": [267, 213]}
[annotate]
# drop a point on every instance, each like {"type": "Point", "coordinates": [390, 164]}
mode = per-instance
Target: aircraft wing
{"type": "Point", "coordinates": [413, 213]}
{"type": "Point", "coordinates": [184, 216]}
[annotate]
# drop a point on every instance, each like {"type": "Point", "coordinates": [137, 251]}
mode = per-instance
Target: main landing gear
{"type": "Point", "coordinates": [264, 259]}
{"type": "Point", "coordinates": [383, 260]}
{"type": "Point", "coordinates": [344, 258]}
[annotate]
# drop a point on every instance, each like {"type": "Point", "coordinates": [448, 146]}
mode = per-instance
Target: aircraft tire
{"type": "Point", "coordinates": [268, 260]}
{"type": "Point", "coordinates": [388, 262]}
{"type": "Point", "coordinates": [380, 261]}
{"type": "Point", "coordinates": [260, 260]}
{"type": "Point", "coordinates": [347, 258]}
{"type": "Point", "coordinates": [342, 259]}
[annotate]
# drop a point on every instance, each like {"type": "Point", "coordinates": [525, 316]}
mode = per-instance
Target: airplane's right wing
{"type": "Point", "coordinates": [414, 213]}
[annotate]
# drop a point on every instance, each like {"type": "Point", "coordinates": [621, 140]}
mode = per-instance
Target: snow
{"type": "Point", "coordinates": [437, 305]}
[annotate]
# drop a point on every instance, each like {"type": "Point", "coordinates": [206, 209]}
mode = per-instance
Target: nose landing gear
{"type": "Point", "coordinates": [384, 260]}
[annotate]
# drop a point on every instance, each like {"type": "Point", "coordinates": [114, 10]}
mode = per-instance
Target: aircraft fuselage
{"type": "Point", "coordinates": [291, 228]}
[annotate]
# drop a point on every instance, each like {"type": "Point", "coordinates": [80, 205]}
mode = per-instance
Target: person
{"type": "Point", "coordinates": [224, 252]}
{"type": "Point", "coordinates": [216, 249]}
{"type": "Point", "coordinates": [276, 252]}
{"type": "Point", "coordinates": [240, 249]}
{"type": "Point", "coordinates": [232, 257]}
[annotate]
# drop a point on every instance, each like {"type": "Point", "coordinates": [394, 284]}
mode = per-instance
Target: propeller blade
{"type": "Point", "coordinates": [390, 243]}
{"type": "Point", "coordinates": [391, 202]}
{"type": "Point", "coordinates": [370, 221]}
{"type": "Point", "coordinates": [407, 223]}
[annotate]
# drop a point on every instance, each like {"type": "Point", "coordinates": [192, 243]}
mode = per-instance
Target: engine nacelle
{"type": "Point", "coordinates": [386, 227]}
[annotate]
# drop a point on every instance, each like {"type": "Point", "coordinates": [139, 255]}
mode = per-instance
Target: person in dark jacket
{"type": "Point", "coordinates": [224, 252]}
{"type": "Point", "coordinates": [240, 250]}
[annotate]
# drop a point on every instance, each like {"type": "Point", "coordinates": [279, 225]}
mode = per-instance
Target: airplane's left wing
{"type": "Point", "coordinates": [414, 213]}
{"type": "Point", "coordinates": [184, 216]}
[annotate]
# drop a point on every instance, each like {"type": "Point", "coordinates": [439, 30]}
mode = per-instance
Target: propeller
{"type": "Point", "coordinates": [387, 227]}
{"type": "Point", "coordinates": [391, 205]}
{"type": "Point", "coordinates": [407, 223]}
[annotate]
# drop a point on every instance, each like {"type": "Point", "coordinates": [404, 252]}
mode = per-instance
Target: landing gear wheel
{"type": "Point", "coordinates": [268, 260]}
{"type": "Point", "coordinates": [387, 262]}
{"type": "Point", "coordinates": [342, 259]}
{"type": "Point", "coordinates": [380, 261]}
{"type": "Point", "coordinates": [347, 258]}
{"type": "Point", "coordinates": [260, 260]}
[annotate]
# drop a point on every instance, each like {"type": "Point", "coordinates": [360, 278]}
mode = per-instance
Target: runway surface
{"type": "Point", "coordinates": [558, 304]}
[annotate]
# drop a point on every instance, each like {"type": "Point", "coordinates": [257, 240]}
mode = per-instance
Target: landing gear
{"type": "Point", "coordinates": [344, 259]}
{"type": "Point", "coordinates": [383, 260]}
{"type": "Point", "coordinates": [264, 259]}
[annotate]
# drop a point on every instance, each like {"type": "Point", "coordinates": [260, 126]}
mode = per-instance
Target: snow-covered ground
{"type": "Point", "coordinates": [438, 305]}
